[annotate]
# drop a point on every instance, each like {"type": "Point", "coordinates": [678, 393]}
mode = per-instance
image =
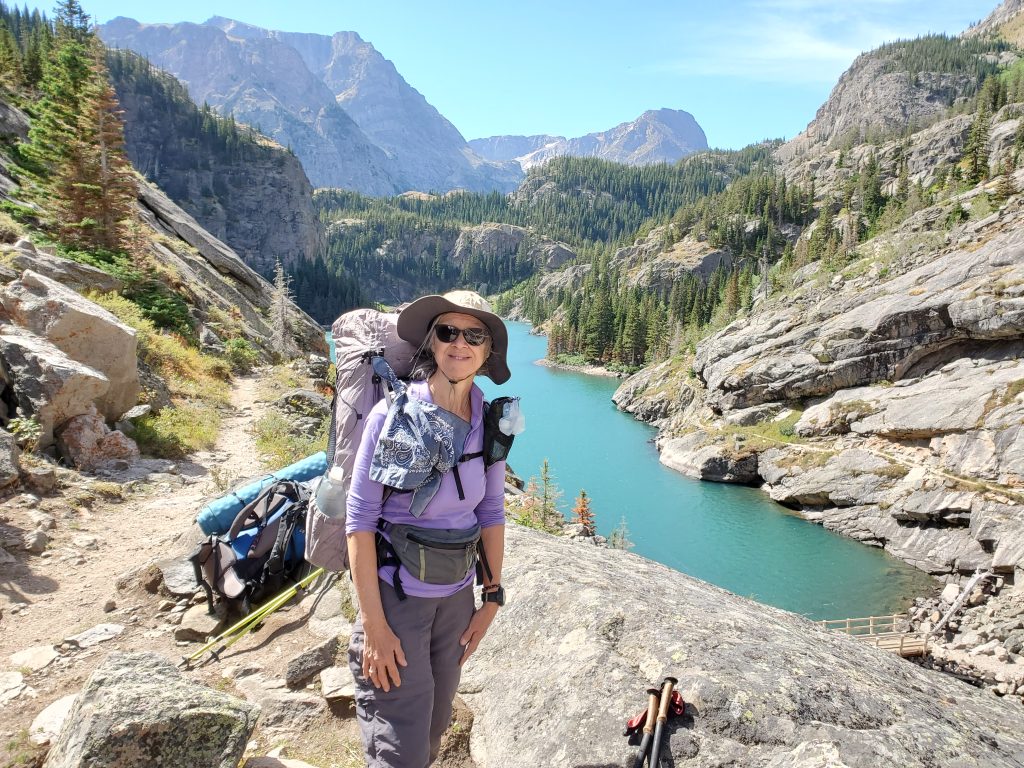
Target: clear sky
{"type": "Point", "coordinates": [746, 69]}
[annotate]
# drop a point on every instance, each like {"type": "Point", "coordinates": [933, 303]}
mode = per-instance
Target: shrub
{"type": "Point", "coordinates": [279, 447]}
{"type": "Point", "coordinates": [241, 355]}
{"type": "Point", "coordinates": [26, 430]}
{"type": "Point", "coordinates": [162, 307]}
{"type": "Point", "coordinates": [178, 431]}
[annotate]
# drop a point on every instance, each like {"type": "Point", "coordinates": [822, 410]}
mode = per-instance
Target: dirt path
{"type": "Point", "coordinates": [96, 539]}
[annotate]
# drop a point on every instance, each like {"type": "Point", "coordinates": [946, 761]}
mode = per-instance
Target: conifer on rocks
{"type": "Point", "coordinates": [582, 514]}
{"type": "Point", "coordinates": [84, 181]}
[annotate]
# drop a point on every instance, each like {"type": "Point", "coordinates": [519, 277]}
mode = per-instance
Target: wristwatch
{"type": "Point", "coordinates": [495, 593]}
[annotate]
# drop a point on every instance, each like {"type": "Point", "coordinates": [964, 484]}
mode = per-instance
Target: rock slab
{"type": "Point", "coordinates": [137, 711]}
{"type": "Point", "coordinates": [585, 631]}
{"type": "Point", "coordinates": [310, 662]}
{"type": "Point", "coordinates": [47, 725]}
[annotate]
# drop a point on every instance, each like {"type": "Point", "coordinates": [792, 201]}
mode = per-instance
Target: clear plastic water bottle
{"type": "Point", "coordinates": [512, 421]}
{"type": "Point", "coordinates": [330, 494]}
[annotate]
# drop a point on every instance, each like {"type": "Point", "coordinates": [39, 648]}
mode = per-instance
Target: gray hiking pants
{"type": "Point", "coordinates": [402, 728]}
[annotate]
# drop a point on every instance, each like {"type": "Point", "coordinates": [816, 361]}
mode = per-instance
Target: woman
{"type": "Point", "coordinates": [412, 637]}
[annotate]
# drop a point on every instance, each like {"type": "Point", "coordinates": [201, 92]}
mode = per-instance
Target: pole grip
{"type": "Point", "coordinates": [666, 698]}
{"type": "Point", "coordinates": [652, 709]}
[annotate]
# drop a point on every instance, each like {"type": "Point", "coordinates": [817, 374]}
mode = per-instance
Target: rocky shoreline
{"type": "Point", "coordinates": [589, 370]}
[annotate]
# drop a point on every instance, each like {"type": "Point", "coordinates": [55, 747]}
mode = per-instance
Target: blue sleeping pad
{"type": "Point", "coordinates": [216, 518]}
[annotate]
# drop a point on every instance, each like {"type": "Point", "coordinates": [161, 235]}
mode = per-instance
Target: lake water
{"type": "Point", "coordinates": [728, 535]}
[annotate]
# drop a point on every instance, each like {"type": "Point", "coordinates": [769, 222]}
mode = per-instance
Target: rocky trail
{"type": "Point", "coordinates": [110, 574]}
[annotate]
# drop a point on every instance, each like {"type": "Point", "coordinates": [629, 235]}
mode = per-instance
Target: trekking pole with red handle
{"type": "Point", "coordinates": [666, 699]}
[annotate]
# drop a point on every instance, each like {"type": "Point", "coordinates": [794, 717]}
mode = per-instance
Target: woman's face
{"type": "Point", "coordinates": [458, 359]}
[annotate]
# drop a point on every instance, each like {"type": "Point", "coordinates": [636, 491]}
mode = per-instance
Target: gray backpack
{"type": "Point", "coordinates": [359, 336]}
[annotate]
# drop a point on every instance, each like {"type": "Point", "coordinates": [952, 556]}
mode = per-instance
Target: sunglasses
{"type": "Point", "coordinates": [449, 333]}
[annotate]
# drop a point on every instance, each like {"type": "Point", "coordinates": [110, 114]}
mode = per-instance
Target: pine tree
{"type": "Point", "coordinates": [93, 190]}
{"type": "Point", "coordinates": [582, 514]}
{"type": "Point", "coordinates": [976, 149]}
{"type": "Point", "coordinates": [619, 538]}
{"type": "Point", "coordinates": [11, 76]}
{"type": "Point", "coordinates": [280, 341]}
{"type": "Point", "coordinates": [1006, 187]}
{"type": "Point", "coordinates": [550, 518]}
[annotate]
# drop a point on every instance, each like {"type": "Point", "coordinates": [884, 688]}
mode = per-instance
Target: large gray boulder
{"type": "Point", "coordinates": [45, 382]}
{"type": "Point", "coordinates": [83, 330]}
{"type": "Point", "coordinates": [699, 456]}
{"type": "Point", "coordinates": [138, 711]}
{"type": "Point", "coordinates": [586, 631]}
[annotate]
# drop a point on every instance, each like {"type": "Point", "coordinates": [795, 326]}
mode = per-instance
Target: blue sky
{"type": "Point", "coordinates": [746, 69]}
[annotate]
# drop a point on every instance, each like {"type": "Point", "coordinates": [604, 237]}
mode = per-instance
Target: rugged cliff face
{"type": "Point", "coordinates": [902, 380]}
{"type": "Point", "coordinates": [657, 136]}
{"type": "Point", "coordinates": [266, 85]}
{"type": "Point", "coordinates": [882, 397]}
{"type": "Point", "coordinates": [242, 188]}
{"type": "Point", "coordinates": [343, 108]}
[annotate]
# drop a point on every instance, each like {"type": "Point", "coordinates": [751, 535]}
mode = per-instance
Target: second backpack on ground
{"type": "Point", "coordinates": [261, 553]}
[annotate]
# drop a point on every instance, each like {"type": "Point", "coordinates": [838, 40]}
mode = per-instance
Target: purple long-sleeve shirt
{"type": "Point", "coordinates": [484, 492]}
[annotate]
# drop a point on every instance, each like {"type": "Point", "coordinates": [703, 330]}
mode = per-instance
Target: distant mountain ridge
{"type": "Point", "coordinates": [344, 109]}
{"type": "Point", "coordinates": [657, 136]}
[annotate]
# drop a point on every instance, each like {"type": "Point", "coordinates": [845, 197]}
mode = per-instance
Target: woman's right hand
{"type": "Point", "coordinates": [382, 656]}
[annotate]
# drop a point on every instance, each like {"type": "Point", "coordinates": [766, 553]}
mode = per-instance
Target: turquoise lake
{"type": "Point", "coordinates": [731, 536]}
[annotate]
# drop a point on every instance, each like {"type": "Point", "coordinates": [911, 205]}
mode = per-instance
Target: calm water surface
{"type": "Point", "coordinates": [731, 536]}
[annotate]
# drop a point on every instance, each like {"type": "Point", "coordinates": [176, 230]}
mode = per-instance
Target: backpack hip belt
{"type": "Point", "coordinates": [432, 555]}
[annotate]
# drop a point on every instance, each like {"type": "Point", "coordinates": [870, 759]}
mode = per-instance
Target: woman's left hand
{"type": "Point", "coordinates": [476, 630]}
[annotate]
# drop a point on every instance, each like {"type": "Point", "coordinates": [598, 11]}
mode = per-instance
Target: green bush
{"type": "Point", "coordinates": [178, 431]}
{"type": "Point", "coordinates": [278, 447]}
{"type": "Point", "coordinates": [164, 308]}
{"type": "Point", "coordinates": [241, 355]}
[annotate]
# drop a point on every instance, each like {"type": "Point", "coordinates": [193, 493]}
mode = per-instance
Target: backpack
{"type": "Point", "coordinates": [359, 337]}
{"type": "Point", "coordinates": [261, 552]}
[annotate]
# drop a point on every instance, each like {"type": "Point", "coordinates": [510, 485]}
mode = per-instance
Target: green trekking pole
{"type": "Point", "coordinates": [666, 700]}
{"type": "Point", "coordinates": [241, 628]}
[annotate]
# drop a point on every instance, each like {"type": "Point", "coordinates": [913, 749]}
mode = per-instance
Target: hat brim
{"type": "Point", "coordinates": [414, 325]}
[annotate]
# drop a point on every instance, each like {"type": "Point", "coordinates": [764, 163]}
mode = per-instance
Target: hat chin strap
{"type": "Point", "coordinates": [450, 380]}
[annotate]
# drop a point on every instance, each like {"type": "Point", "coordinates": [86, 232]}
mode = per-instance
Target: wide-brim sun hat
{"type": "Point", "coordinates": [415, 320]}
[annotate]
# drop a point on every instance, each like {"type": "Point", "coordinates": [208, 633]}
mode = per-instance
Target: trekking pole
{"type": "Point", "coordinates": [652, 711]}
{"type": "Point", "coordinates": [241, 628]}
{"type": "Point", "coordinates": [666, 699]}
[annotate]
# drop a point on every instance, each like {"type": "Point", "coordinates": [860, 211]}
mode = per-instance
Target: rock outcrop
{"type": "Point", "coordinates": [657, 136]}
{"type": "Point", "coordinates": [244, 190]}
{"type": "Point", "coordinates": [907, 392]}
{"type": "Point", "coordinates": [44, 382]}
{"type": "Point", "coordinates": [878, 95]}
{"type": "Point", "coordinates": [82, 330]}
{"type": "Point", "coordinates": [77, 276]}
{"type": "Point", "coordinates": [509, 242]}
{"type": "Point", "coordinates": [218, 279]}
{"type": "Point", "coordinates": [762, 687]}
{"type": "Point", "coordinates": [137, 710]}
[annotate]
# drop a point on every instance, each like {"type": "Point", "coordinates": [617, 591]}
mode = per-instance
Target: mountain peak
{"type": "Point", "coordinates": [657, 136]}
